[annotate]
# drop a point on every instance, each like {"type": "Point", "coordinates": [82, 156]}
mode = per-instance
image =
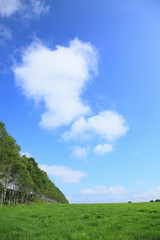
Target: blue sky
{"type": "Point", "coordinates": [79, 91]}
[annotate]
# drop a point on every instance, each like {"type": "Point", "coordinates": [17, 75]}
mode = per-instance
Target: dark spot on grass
{"type": "Point", "coordinates": [86, 217]}
{"type": "Point", "coordinates": [94, 224]}
{"type": "Point", "coordinates": [141, 210]}
{"type": "Point", "coordinates": [155, 217]}
{"type": "Point", "coordinates": [35, 216]}
{"type": "Point", "coordinates": [98, 216]}
{"type": "Point", "coordinates": [153, 212]}
{"type": "Point", "coordinates": [118, 228]}
{"type": "Point", "coordinates": [79, 228]}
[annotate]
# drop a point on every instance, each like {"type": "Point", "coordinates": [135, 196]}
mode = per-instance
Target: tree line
{"type": "Point", "coordinates": [21, 179]}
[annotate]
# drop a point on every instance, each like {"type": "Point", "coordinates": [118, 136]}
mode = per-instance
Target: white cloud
{"type": "Point", "coordinates": [147, 196]}
{"type": "Point", "coordinates": [39, 7]}
{"type": "Point", "coordinates": [28, 155]}
{"type": "Point", "coordinates": [103, 190]}
{"type": "Point", "coordinates": [108, 125]}
{"type": "Point", "coordinates": [117, 190]}
{"type": "Point", "coordinates": [63, 174]}
{"type": "Point", "coordinates": [5, 33]}
{"type": "Point", "coordinates": [79, 152]}
{"type": "Point", "coordinates": [138, 182]}
{"type": "Point", "coordinates": [9, 7]}
{"type": "Point", "coordinates": [96, 190]}
{"type": "Point", "coordinates": [28, 8]}
{"type": "Point", "coordinates": [58, 78]}
{"type": "Point", "coordinates": [101, 149]}
{"type": "Point", "coordinates": [70, 199]}
{"type": "Point", "coordinates": [136, 153]}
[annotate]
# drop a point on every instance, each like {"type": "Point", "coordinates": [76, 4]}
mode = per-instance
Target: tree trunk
{"type": "Point", "coordinates": [2, 196]}
{"type": "Point", "coordinates": [22, 198]}
{"type": "Point", "coordinates": [9, 197]}
{"type": "Point", "coordinates": [13, 196]}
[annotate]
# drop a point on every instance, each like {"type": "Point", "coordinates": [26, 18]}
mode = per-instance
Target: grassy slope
{"type": "Point", "coordinates": [81, 222]}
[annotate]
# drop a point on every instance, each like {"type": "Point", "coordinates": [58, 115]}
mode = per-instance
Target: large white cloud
{"type": "Point", "coordinates": [108, 125]}
{"type": "Point", "coordinates": [63, 174]}
{"type": "Point", "coordinates": [58, 78]}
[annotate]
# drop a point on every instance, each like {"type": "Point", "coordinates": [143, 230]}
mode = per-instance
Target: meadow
{"type": "Point", "coordinates": [125, 221]}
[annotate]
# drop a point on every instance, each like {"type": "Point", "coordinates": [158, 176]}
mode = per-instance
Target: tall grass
{"type": "Point", "coordinates": [81, 222]}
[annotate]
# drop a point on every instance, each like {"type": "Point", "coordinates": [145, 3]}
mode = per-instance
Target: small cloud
{"type": "Point", "coordinates": [147, 196]}
{"type": "Point", "coordinates": [119, 197]}
{"type": "Point", "coordinates": [96, 190]}
{"type": "Point", "coordinates": [138, 182]}
{"type": "Point", "coordinates": [108, 125]}
{"type": "Point", "coordinates": [29, 9]}
{"type": "Point", "coordinates": [136, 153]}
{"type": "Point", "coordinates": [103, 190]}
{"type": "Point", "coordinates": [28, 155]}
{"type": "Point", "coordinates": [118, 190]}
{"type": "Point", "coordinates": [9, 7]}
{"type": "Point", "coordinates": [80, 152]}
{"type": "Point", "coordinates": [69, 199]}
{"type": "Point", "coordinates": [101, 149]}
{"type": "Point", "coordinates": [5, 33]}
{"type": "Point", "coordinates": [64, 174]}
{"type": "Point", "coordinates": [39, 7]}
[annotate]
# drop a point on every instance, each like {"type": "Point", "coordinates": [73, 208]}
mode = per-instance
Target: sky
{"type": "Point", "coordinates": [80, 92]}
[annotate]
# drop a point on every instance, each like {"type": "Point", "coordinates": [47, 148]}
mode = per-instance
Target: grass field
{"type": "Point", "coordinates": [81, 222]}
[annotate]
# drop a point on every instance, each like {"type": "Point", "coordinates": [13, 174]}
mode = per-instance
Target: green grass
{"type": "Point", "coordinates": [81, 222]}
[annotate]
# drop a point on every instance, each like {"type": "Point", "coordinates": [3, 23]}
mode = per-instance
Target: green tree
{"type": "Point", "coordinates": [9, 155]}
{"type": "Point", "coordinates": [20, 177]}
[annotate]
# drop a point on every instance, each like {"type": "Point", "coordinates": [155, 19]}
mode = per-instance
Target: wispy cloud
{"type": "Point", "coordinates": [63, 174]}
{"type": "Point", "coordinates": [152, 194]}
{"type": "Point", "coordinates": [9, 7]}
{"type": "Point", "coordinates": [136, 153]}
{"type": "Point", "coordinates": [5, 33]}
{"type": "Point", "coordinates": [39, 7]}
{"type": "Point", "coordinates": [103, 190]}
{"type": "Point", "coordinates": [27, 154]}
{"type": "Point", "coordinates": [29, 9]}
{"type": "Point", "coordinates": [79, 152]}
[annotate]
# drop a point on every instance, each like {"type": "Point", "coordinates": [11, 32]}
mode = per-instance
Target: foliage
{"type": "Point", "coordinates": [136, 221]}
{"type": "Point", "coordinates": [21, 179]}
